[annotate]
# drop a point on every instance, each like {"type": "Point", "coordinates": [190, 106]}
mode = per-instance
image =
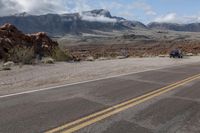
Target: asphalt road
{"type": "Point", "coordinates": [176, 110]}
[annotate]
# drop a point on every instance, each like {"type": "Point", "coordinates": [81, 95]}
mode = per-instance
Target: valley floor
{"type": "Point", "coordinates": [40, 76]}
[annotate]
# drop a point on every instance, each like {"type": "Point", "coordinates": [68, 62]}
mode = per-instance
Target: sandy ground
{"type": "Point", "coordinates": [41, 76]}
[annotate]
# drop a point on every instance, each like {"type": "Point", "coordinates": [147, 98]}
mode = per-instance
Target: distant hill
{"type": "Point", "coordinates": [192, 27]}
{"type": "Point", "coordinates": [75, 23]}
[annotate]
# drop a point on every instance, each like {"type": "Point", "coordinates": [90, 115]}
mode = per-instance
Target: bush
{"type": "Point", "coordinates": [113, 55]}
{"type": "Point", "coordinates": [60, 55]}
{"type": "Point", "coordinates": [22, 55]}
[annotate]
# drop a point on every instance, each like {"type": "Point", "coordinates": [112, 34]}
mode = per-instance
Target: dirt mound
{"type": "Point", "coordinates": [11, 39]}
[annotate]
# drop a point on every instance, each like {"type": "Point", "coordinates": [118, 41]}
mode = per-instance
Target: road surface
{"type": "Point", "coordinates": [164, 100]}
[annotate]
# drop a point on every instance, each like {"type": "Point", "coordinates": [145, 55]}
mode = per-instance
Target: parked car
{"type": "Point", "coordinates": [176, 54]}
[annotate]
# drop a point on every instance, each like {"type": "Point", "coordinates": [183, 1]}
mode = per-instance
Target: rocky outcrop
{"type": "Point", "coordinates": [11, 38]}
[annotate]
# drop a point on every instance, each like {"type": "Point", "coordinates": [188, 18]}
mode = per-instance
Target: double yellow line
{"type": "Point", "coordinates": [93, 118]}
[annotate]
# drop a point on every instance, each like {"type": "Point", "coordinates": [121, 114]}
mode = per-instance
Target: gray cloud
{"type": "Point", "coordinates": [98, 19]}
{"type": "Point", "coordinates": [37, 7]}
{"type": "Point", "coordinates": [175, 18]}
{"type": "Point", "coordinates": [171, 17]}
{"type": "Point", "coordinates": [8, 7]}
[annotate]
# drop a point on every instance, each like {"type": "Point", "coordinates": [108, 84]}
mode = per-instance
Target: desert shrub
{"type": "Point", "coordinates": [98, 55]}
{"type": "Point", "coordinates": [21, 55]}
{"type": "Point", "coordinates": [60, 55]}
{"type": "Point", "coordinates": [113, 54]}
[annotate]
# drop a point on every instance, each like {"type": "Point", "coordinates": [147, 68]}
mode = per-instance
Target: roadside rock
{"type": "Point", "coordinates": [163, 55]}
{"type": "Point", "coordinates": [90, 58]}
{"type": "Point", "coordinates": [9, 64]}
{"type": "Point", "coordinates": [121, 57]}
{"type": "Point", "coordinates": [189, 54]}
{"type": "Point", "coordinates": [48, 60]}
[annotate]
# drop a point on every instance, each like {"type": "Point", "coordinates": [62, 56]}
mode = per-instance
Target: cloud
{"type": "Point", "coordinates": [143, 6]}
{"type": "Point", "coordinates": [38, 7]}
{"type": "Point", "coordinates": [9, 7]}
{"type": "Point", "coordinates": [175, 18]}
{"type": "Point", "coordinates": [99, 16]}
{"type": "Point", "coordinates": [191, 19]}
{"type": "Point", "coordinates": [153, 13]}
{"type": "Point", "coordinates": [169, 18]}
{"type": "Point", "coordinates": [98, 19]}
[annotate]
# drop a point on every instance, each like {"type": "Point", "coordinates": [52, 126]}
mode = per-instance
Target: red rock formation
{"type": "Point", "coordinates": [11, 37]}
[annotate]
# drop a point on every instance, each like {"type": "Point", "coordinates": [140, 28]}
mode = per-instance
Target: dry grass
{"type": "Point", "coordinates": [60, 55]}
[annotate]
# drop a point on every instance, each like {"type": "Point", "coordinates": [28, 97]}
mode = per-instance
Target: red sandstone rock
{"type": "Point", "coordinates": [11, 37]}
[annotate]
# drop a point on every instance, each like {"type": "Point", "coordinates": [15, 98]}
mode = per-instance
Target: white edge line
{"type": "Point", "coordinates": [82, 82]}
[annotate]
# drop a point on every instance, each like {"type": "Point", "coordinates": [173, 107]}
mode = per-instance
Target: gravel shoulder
{"type": "Point", "coordinates": [41, 76]}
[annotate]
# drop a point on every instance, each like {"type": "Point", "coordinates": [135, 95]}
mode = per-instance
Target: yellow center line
{"type": "Point", "coordinates": [93, 118]}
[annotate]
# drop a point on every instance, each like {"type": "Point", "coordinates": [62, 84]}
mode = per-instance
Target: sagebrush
{"type": "Point", "coordinates": [23, 55]}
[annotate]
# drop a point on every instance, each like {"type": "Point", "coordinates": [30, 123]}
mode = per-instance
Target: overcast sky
{"type": "Point", "coordinates": [179, 11]}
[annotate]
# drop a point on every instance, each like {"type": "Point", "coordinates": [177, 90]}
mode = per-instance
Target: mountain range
{"type": "Point", "coordinates": [86, 22]}
{"type": "Point", "coordinates": [191, 27]}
